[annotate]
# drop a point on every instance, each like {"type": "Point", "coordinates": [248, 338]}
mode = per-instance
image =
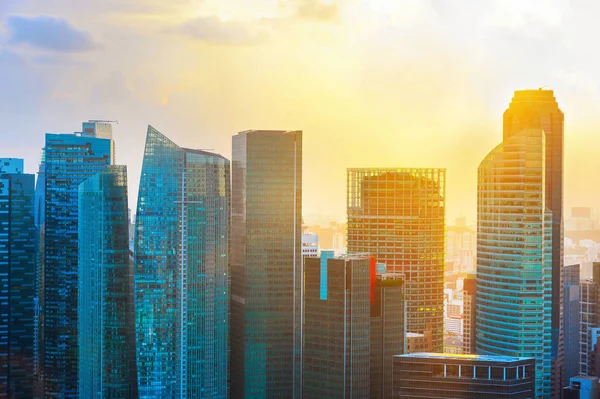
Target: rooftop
{"type": "Point", "coordinates": [446, 356]}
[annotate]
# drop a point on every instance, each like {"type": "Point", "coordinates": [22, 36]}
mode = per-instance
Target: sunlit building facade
{"type": "Point", "coordinates": [69, 160]}
{"type": "Point", "coordinates": [17, 280]}
{"type": "Point", "coordinates": [398, 216]}
{"type": "Point", "coordinates": [106, 317]}
{"type": "Point", "coordinates": [514, 265]}
{"type": "Point", "coordinates": [266, 265]}
{"type": "Point", "coordinates": [336, 357]}
{"type": "Point", "coordinates": [519, 264]}
{"type": "Point", "coordinates": [181, 276]}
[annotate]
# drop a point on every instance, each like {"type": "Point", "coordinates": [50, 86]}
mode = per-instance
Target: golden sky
{"type": "Point", "coordinates": [372, 83]}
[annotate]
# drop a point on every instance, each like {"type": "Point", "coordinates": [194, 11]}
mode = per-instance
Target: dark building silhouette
{"type": "Point", "coordinates": [387, 330]}
{"type": "Point", "coordinates": [17, 280]}
{"type": "Point", "coordinates": [336, 328]}
{"type": "Point", "coordinates": [446, 376]}
{"type": "Point", "coordinates": [571, 320]}
{"type": "Point", "coordinates": [469, 314]}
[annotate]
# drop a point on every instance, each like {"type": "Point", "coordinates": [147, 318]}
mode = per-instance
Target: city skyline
{"type": "Point", "coordinates": [339, 79]}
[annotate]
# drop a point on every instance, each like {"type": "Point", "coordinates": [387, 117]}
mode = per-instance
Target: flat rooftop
{"type": "Point", "coordinates": [447, 356]}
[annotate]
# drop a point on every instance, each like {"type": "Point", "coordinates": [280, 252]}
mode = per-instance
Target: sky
{"type": "Point", "coordinates": [372, 83]}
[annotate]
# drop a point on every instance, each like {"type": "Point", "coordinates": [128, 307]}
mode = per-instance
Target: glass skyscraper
{"type": "Point", "coordinates": [266, 266]}
{"type": "Point", "coordinates": [106, 317]}
{"type": "Point", "coordinates": [336, 337]}
{"type": "Point", "coordinates": [69, 160]}
{"type": "Point", "coordinates": [17, 279]}
{"type": "Point", "coordinates": [181, 272]}
{"type": "Point", "coordinates": [520, 262]}
{"type": "Point", "coordinates": [398, 216]}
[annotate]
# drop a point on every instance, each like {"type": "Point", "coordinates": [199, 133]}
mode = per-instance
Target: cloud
{"type": "Point", "coordinates": [214, 30]}
{"type": "Point", "coordinates": [49, 33]}
{"type": "Point", "coordinates": [318, 10]}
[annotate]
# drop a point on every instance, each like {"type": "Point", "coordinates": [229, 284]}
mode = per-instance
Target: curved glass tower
{"type": "Point", "coordinates": [514, 254]}
{"type": "Point", "coordinates": [181, 275]}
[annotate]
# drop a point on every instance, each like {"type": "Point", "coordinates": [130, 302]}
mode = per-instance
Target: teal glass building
{"type": "Point", "coordinates": [514, 255]}
{"type": "Point", "coordinates": [266, 265]}
{"type": "Point", "coordinates": [17, 280]}
{"type": "Point", "coordinates": [105, 306]}
{"type": "Point", "coordinates": [181, 272]}
{"type": "Point", "coordinates": [69, 160]}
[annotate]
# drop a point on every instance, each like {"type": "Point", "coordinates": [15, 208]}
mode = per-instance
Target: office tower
{"type": "Point", "coordinates": [105, 305]}
{"type": "Point", "coordinates": [438, 375]}
{"type": "Point", "coordinates": [336, 328]}
{"type": "Point", "coordinates": [181, 276]}
{"type": "Point", "coordinates": [538, 109]}
{"type": "Point", "coordinates": [519, 255]}
{"type": "Point", "coordinates": [266, 265]}
{"type": "Point", "coordinates": [589, 318]}
{"type": "Point", "coordinates": [582, 387]}
{"type": "Point", "coordinates": [469, 313]}
{"type": "Point", "coordinates": [397, 216]}
{"type": "Point", "coordinates": [69, 160]}
{"type": "Point", "coordinates": [17, 280]}
{"type": "Point", "coordinates": [387, 331]}
{"type": "Point", "coordinates": [571, 321]}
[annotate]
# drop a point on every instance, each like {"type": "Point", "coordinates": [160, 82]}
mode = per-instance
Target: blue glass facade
{"type": "Point", "coordinates": [266, 265]}
{"type": "Point", "coordinates": [105, 305]}
{"type": "Point", "coordinates": [17, 280]}
{"type": "Point", "coordinates": [69, 160]}
{"type": "Point", "coordinates": [514, 255]}
{"type": "Point", "coordinates": [181, 272]}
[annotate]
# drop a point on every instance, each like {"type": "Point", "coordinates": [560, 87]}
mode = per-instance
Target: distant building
{"type": "Point", "coordinates": [469, 313]}
{"type": "Point", "coordinates": [416, 342]}
{"type": "Point", "coordinates": [310, 245]}
{"type": "Point", "coordinates": [336, 328]}
{"type": "Point", "coordinates": [398, 216]}
{"type": "Point", "coordinates": [107, 355]}
{"type": "Point", "coordinates": [571, 321]}
{"type": "Point", "coordinates": [436, 375]}
{"type": "Point", "coordinates": [582, 388]}
{"type": "Point", "coordinates": [17, 279]}
{"type": "Point", "coordinates": [589, 319]}
{"type": "Point", "coordinates": [387, 330]}
{"type": "Point", "coordinates": [581, 220]}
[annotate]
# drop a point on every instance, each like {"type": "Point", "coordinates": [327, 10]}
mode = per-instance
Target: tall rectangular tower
{"type": "Point", "coordinates": [266, 266]}
{"type": "Point", "coordinates": [572, 288]}
{"type": "Point", "coordinates": [181, 275]}
{"type": "Point", "coordinates": [398, 216]}
{"type": "Point", "coordinates": [336, 328]}
{"type": "Point", "coordinates": [69, 160]}
{"type": "Point", "coordinates": [105, 305]}
{"type": "Point", "coordinates": [470, 314]}
{"type": "Point", "coordinates": [17, 280]}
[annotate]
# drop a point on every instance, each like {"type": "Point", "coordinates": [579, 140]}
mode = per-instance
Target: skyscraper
{"type": "Point", "coordinates": [17, 280]}
{"type": "Point", "coordinates": [519, 265]}
{"type": "Point", "coordinates": [397, 216]}
{"type": "Point", "coordinates": [336, 328]}
{"type": "Point", "coordinates": [387, 331]}
{"type": "Point", "coordinates": [589, 318]}
{"type": "Point", "coordinates": [69, 160]}
{"type": "Point", "coordinates": [571, 321]}
{"type": "Point", "coordinates": [266, 266]}
{"type": "Point", "coordinates": [181, 276]}
{"type": "Point", "coordinates": [106, 317]}
{"type": "Point", "coordinates": [470, 314]}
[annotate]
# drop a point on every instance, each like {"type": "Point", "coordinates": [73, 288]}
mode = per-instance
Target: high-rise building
{"type": "Point", "coordinates": [519, 249]}
{"type": "Point", "coordinates": [17, 280]}
{"type": "Point", "coordinates": [438, 375]}
{"type": "Point", "coordinates": [571, 320]}
{"type": "Point", "coordinates": [181, 275]}
{"type": "Point", "coordinates": [387, 331]}
{"type": "Point", "coordinates": [589, 319]}
{"type": "Point", "coordinates": [106, 317]}
{"type": "Point", "coordinates": [469, 314]}
{"type": "Point", "coordinates": [69, 160]}
{"type": "Point", "coordinates": [266, 265]}
{"type": "Point", "coordinates": [538, 109]}
{"type": "Point", "coordinates": [397, 216]}
{"type": "Point", "coordinates": [336, 328]}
